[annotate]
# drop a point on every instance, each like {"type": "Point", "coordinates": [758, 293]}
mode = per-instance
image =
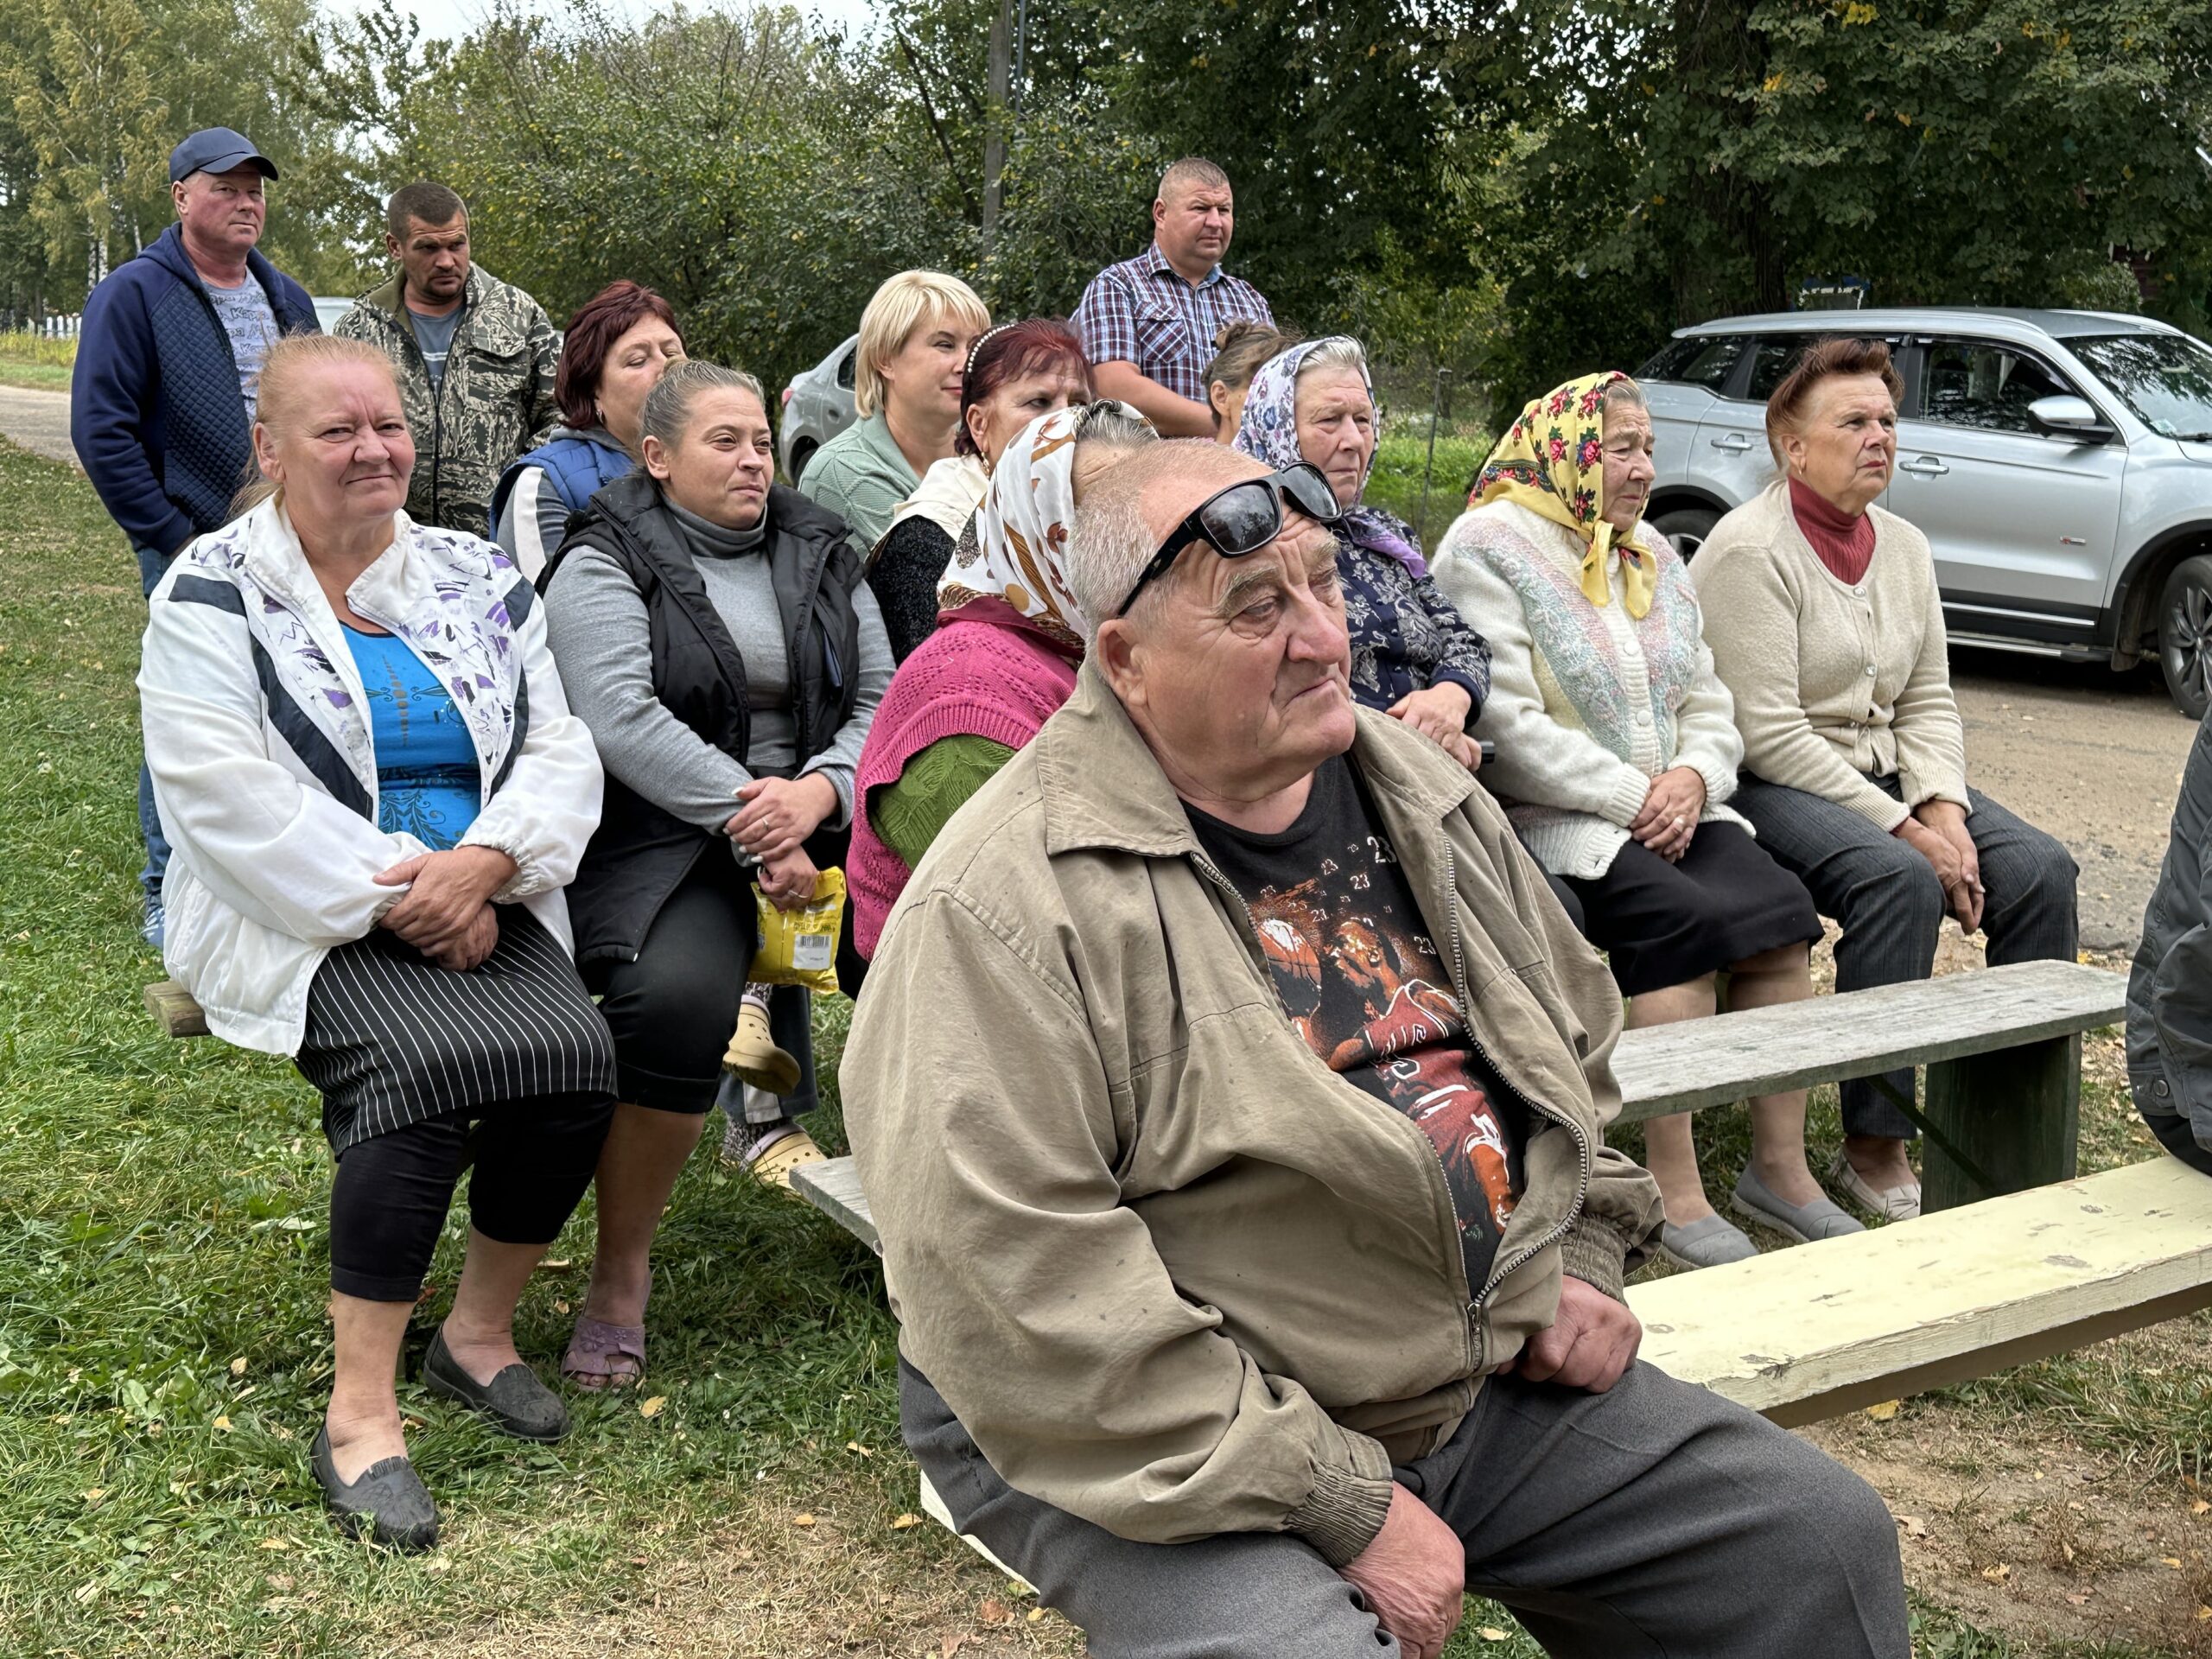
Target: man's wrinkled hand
{"type": "Point", "coordinates": [1590, 1343]}
{"type": "Point", "coordinates": [1414, 1575]}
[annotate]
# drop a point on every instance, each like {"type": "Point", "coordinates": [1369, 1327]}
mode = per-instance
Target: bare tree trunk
{"type": "Point", "coordinates": [994, 115]}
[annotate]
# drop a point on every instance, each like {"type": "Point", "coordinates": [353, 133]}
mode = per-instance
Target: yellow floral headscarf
{"type": "Point", "coordinates": [1552, 462]}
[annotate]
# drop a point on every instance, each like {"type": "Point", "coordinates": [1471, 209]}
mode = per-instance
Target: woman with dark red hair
{"type": "Point", "coordinates": [1016, 373]}
{"type": "Point", "coordinates": [619, 343]}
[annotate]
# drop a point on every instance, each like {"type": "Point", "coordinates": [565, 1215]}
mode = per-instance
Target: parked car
{"type": "Point", "coordinates": [2060, 463]}
{"type": "Point", "coordinates": [817, 406]}
{"type": "Point", "coordinates": [328, 311]}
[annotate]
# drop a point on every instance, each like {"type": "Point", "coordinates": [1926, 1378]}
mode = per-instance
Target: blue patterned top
{"type": "Point", "coordinates": [428, 783]}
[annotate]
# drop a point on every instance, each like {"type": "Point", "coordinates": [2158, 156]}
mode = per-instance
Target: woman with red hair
{"type": "Point", "coordinates": [1016, 374]}
{"type": "Point", "coordinates": [619, 342]}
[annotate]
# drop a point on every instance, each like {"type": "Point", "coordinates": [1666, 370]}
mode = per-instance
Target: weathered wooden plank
{"type": "Point", "coordinates": [1700, 1063]}
{"type": "Point", "coordinates": [933, 1507]}
{"type": "Point", "coordinates": [832, 1186]}
{"type": "Point", "coordinates": [174, 1011]}
{"type": "Point", "coordinates": [1822, 1328]}
{"type": "Point", "coordinates": [2001, 1123]}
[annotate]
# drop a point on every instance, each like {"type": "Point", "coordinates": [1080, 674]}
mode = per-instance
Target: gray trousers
{"type": "Point", "coordinates": [1890, 904]}
{"type": "Point", "coordinates": [1656, 1519]}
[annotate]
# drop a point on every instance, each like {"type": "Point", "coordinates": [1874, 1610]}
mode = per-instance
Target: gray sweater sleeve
{"type": "Point", "coordinates": [596, 622]}
{"type": "Point", "coordinates": [842, 758]}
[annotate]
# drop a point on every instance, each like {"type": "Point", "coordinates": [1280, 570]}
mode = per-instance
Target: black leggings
{"type": "Point", "coordinates": [388, 1202]}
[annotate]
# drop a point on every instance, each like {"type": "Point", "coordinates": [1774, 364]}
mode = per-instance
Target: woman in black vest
{"type": "Point", "coordinates": [713, 631]}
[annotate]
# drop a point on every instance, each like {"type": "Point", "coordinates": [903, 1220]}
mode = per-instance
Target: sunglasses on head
{"type": "Point", "coordinates": [1243, 519]}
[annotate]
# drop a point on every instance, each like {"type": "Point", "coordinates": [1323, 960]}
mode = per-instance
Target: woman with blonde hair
{"type": "Point", "coordinates": [376, 794]}
{"type": "Point", "coordinates": [915, 337]}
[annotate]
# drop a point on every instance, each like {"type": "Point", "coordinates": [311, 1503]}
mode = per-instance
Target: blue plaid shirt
{"type": "Point", "coordinates": [1141, 312]}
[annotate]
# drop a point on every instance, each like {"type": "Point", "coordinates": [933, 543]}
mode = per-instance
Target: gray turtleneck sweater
{"type": "Point", "coordinates": [596, 624]}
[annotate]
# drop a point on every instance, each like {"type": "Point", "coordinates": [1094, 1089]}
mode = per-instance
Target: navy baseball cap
{"type": "Point", "coordinates": [216, 150]}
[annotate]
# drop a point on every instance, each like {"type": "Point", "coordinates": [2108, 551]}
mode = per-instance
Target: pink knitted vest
{"type": "Point", "coordinates": [994, 679]}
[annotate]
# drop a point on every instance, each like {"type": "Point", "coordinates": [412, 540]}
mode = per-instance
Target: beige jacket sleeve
{"type": "Point", "coordinates": [1750, 626]}
{"type": "Point", "coordinates": [1032, 1296]}
{"type": "Point", "coordinates": [1931, 738]}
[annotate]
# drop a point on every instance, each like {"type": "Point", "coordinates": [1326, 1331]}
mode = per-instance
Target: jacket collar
{"type": "Point", "coordinates": [1101, 789]}
{"type": "Point", "coordinates": [275, 562]}
{"type": "Point", "coordinates": [167, 252]}
{"type": "Point", "coordinates": [388, 296]}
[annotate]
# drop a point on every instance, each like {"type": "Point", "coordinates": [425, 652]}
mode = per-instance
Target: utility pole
{"type": "Point", "coordinates": [994, 110]}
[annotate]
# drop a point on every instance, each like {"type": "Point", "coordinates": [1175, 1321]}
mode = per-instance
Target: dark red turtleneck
{"type": "Point", "coordinates": [1844, 543]}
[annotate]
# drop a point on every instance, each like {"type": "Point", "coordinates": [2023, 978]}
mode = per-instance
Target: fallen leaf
{"type": "Point", "coordinates": [1913, 1525]}
{"type": "Point", "coordinates": [557, 1264]}
{"type": "Point", "coordinates": [1998, 1573]}
{"type": "Point", "coordinates": [1035, 1614]}
{"type": "Point", "coordinates": [2204, 1612]}
{"type": "Point", "coordinates": [2174, 1561]}
{"type": "Point", "coordinates": [96, 1494]}
{"type": "Point", "coordinates": [802, 1520]}
{"type": "Point", "coordinates": [899, 1523]}
{"type": "Point", "coordinates": [1490, 1633]}
{"type": "Point", "coordinates": [2200, 1506]}
{"type": "Point", "coordinates": [993, 1611]}
{"type": "Point", "coordinates": [640, 1560]}
{"type": "Point", "coordinates": [440, 1564]}
{"type": "Point", "coordinates": [855, 1445]}
{"type": "Point", "coordinates": [237, 1366]}
{"type": "Point", "coordinates": [276, 1543]}
{"type": "Point", "coordinates": [560, 1307]}
{"type": "Point", "coordinates": [952, 1644]}
{"type": "Point", "coordinates": [1883, 1412]}
{"type": "Point", "coordinates": [2079, 1597]}
{"type": "Point", "coordinates": [224, 1424]}
{"type": "Point", "coordinates": [652, 1407]}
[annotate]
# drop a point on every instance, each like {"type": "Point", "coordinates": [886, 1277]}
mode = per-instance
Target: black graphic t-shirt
{"type": "Point", "coordinates": [1368, 989]}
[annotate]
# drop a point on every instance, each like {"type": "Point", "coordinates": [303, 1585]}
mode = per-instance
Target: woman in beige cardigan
{"type": "Point", "coordinates": [1822, 612]}
{"type": "Point", "coordinates": [1616, 751]}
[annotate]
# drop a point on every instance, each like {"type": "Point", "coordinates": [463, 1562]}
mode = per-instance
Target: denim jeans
{"type": "Point", "coordinates": [151, 566]}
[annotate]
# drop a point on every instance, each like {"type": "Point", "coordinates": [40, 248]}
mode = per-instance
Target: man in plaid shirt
{"type": "Point", "coordinates": [1148, 323]}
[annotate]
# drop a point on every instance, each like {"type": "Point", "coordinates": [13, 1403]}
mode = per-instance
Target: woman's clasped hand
{"type": "Point", "coordinates": [446, 912]}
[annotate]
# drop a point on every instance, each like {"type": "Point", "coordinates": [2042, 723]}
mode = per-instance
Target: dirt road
{"type": "Point", "coordinates": [39, 421]}
{"type": "Point", "coordinates": [2092, 756]}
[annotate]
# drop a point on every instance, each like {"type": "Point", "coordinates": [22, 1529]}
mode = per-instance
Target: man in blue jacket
{"type": "Point", "coordinates": [162, 403]}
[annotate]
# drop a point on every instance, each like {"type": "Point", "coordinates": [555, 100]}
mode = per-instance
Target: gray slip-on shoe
{"type": "Point", "coordinates": [1806, 1223]}
{"type": "Point", "coordinates": [515, 1399]}
{"type": "Point", "coordinates": [1712, 1243]}
{"type": "Point", "coordinates": [387, 1500]}
{"type": "Point", "coordinates": [1898, 1203]}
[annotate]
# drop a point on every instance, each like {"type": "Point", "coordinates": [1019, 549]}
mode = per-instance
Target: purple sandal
{"type": "Point", "coordinates": [602, 1356]}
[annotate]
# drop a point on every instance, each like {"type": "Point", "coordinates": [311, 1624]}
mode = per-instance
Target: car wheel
{"type": "Point", "coordinates": [2185, 635]}
{"type": "Point", "coordinates": [802, 451]}
{"type": "Point", "coordinates": [1687, 528]}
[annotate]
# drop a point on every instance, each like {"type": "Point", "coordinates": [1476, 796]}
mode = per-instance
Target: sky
{"type": "Point", "coordinates": [446, 20]}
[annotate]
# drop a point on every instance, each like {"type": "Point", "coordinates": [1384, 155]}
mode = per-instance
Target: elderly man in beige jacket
{"type": "Point", "coordinates": [1229, 1092]}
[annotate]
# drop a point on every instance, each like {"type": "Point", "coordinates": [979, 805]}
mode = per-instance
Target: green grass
{"type": "Point", "coordinates": [1402, 461]}
{"type": "Point", "coordinates": [164, 1349]}
{"type": "Point", "coordinates": [33, 360]}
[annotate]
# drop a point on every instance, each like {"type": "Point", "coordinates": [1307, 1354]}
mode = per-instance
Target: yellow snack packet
{"type": "Point", "coordinates": [799, 947]}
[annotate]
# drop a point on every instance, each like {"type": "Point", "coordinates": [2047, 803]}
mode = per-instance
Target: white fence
{"type": "Point", "coordinates": [53, 328]}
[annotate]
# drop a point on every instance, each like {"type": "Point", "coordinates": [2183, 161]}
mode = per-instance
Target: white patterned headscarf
{"type": "Point", "coordinates": [1021, 531]}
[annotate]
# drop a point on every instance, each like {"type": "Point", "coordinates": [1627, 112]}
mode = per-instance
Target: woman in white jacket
{"type": "Point", "coordinates": [375, 792]}
{"type": "Point", "coordinates": [1616, 748]}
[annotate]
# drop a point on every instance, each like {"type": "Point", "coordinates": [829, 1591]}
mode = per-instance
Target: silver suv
{"type": "Point", "coordinates": [817, 406]}
{"type": "Point", "coordinates": [2059, 462]}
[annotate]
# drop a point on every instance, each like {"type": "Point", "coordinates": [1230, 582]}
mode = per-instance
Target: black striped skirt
{"type": "Point", "coordinates": [392, 1040]}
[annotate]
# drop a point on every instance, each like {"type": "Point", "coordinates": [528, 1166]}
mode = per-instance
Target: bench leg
{"type": "Point", "coordinates": [2011, 1115]}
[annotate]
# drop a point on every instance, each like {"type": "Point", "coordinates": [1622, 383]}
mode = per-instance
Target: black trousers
{"type": "Point", "coordinates": [388, 1204]}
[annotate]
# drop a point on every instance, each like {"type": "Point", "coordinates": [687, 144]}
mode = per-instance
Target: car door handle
{"type": "Point", "coordinates": [1734, 442]}
{"type": "Point", "coordinates": [1923, 467]}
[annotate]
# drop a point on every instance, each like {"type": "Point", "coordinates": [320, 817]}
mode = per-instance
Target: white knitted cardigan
{"type": "Point", "coordinates": [1587, 705]}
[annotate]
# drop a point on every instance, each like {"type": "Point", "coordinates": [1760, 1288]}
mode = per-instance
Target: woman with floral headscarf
{"type": "Point", "coordinates": [1616, 748]}
{"type": "Point", "coordinates": [1001, 661]}
{"type": "Point", "coordinates": [1412, 656]}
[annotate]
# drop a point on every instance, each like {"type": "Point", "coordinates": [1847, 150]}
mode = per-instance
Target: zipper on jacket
{"type": "Point", "coordinates": [1499, 1270]}
{"type": "Point", "coordinates": [1207, 868]}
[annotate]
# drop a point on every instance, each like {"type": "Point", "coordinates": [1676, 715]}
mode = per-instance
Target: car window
{"type": "Point", "coordinates": [845, 368]}
{"type": "Point", "coordinates": [2166, 379]}
{"type": "Point", "coordinates": [1699, 361]}
{"type": "Point", "coordinates": [1776, 359]}
{"type": "Point", "coordinates": [1980, 383]}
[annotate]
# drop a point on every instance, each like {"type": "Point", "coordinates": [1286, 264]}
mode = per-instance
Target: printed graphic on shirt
{"type": "Point", "coordinates": [1366, 987]}
{"type": "Point", "coordinates": [428, 784]}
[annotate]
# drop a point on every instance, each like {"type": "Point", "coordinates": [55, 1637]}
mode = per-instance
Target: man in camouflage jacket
{"type": "Point", "coordinates": [476, 378]}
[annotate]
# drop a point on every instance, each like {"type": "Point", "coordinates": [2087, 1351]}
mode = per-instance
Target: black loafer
{"type": "Point", "coordinates": [515, 1399]}
{"type": "Point", "coordinates": [388, 1501]}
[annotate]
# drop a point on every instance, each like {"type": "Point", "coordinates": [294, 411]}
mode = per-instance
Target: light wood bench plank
{"type": "Point", "coordinates": [1700, 1063]}
{"type": "Point", "coordinates": [1812, 1333]}
{"type": "Point", "coordinates": [174, 1011]}
{"type": "Point", "coordinates": [832, 1186]}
